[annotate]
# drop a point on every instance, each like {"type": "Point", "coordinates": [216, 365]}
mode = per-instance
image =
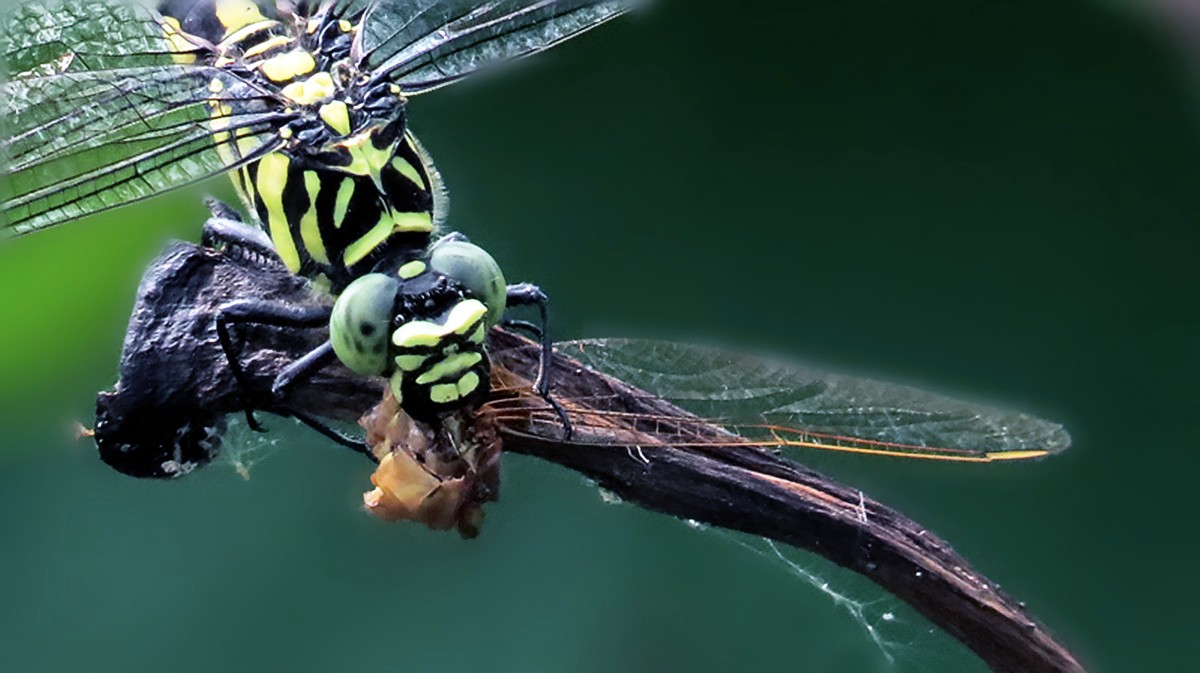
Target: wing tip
{"type": "Point", "coordinates": [1058, 441]}
{"type": "Point", "coordinates": [1055, 440]}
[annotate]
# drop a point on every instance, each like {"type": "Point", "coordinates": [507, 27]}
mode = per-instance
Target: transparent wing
{"type": "Point", "coordinates": [425, 44]}
{"type": "Point", "coordinates": [36, 37]}
{"type": "Point", "coordinates": [95, 114]}
{"type": "Point", "coordinates": [772, 403]}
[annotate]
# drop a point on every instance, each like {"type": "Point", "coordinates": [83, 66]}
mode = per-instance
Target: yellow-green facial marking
{"type": "Point", "coordinates": [410, 363]}
{"type": "Point", "coordinates": [476, 270]}
{"type": "Point", "coordinates": [444, 393]}
{"type": "Point", "coordinates": [412, 269]}
{"type": "Point", "coordinates": [266, 46]}
{"type": "Point", "coordinates": [441, 365]}
{"type": "Point", "coordinates": [464, 318]}
{"type": "Point", "coordinates": [450, 366]}
{"type": "Point", "coordinates": [418, 334]}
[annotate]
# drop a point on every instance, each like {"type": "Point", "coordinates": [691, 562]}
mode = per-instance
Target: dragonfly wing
{"type": "Point", "coordinates": [789, 405]}
{"type": "Point", "coordinates": [96, 114]}
{"type": "Point", "coordinates": [41, 36]}
{"type": "Point", "coordinates": [425, 44]}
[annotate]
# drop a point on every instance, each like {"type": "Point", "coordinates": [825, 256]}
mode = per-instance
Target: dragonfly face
{"type": "Point", "coordinates": [424, 327]}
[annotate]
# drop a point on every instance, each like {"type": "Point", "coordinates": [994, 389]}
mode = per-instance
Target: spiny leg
{"type": "Point", "coordinates": [221, 210]}
{"type": "Point", "coordinates": [226, 229]}
{"type": "Point", "coordinates": [450, 238]}
{"type": "Point", "coordinates": [335, 435]}
{"type": "Point", "coordinates": [262, 313]}
{"type": "Point", "coordinates": [302, 369]}
{"type": "Point", "coordinates": [527, 294]}
{"type": "Point", "coordinates": [530, 328]}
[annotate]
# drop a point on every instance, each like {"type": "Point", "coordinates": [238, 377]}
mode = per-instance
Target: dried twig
{"type": "Point", "coordinates": [173, 373]}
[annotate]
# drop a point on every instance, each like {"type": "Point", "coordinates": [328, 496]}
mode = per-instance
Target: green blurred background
{"type": "Point", "coordinates": [992, 199]}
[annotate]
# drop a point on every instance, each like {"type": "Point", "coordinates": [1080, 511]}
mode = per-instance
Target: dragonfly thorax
{"type": "Point", "coordinates": [299, 65]}
{"type": "Point", "coordinates": [343, 185]}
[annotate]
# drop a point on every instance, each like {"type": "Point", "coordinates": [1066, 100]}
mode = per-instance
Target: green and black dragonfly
{"type": "Point", "coordinates": [166, 416]}
{"type": "Point", "coordinates": [303, 103]}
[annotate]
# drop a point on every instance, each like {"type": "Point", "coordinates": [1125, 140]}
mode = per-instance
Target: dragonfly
{"type": "Point", "coordinates": [304, 105]}
{"type": "Point", "coordinates": [701, 433]}
{"type": "Point", "coordinates": [620, 394]}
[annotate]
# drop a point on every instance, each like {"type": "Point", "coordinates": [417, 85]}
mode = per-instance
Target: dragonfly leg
{"type": "Point", "coordinates": [301, 370]}
{"type": "Point", "coordinates": [222, 231]}
{"type": "Point", "coordinates": [335, 435]}
{"type": "Point", "coordinates": [221, 210]}
{"type": "Point", "coordinates": [262, 313]}
{"type": "Point", "coordinates": [527, 294]}
{"type": "Point", "coordinates": [526, 326]}
{"type": "Point", "coordinates": [286, 316]}
{"type": "Point", "coordinates": [450, 238]}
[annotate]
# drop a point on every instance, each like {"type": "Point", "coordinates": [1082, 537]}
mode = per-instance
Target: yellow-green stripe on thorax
{"type": "Point", "coordinates": [331, 211]}
{"type": "Point", "coordinates": [336, 220]}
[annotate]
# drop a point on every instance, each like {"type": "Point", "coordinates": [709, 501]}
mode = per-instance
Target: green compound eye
{"type": "Point", "coordinates": [475, 270]}
{"type": "Point", "coordinates": [360, 327]}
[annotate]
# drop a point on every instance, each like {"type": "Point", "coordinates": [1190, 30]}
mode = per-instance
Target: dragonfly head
{"type": "Point", "coordinates": [423, 325]}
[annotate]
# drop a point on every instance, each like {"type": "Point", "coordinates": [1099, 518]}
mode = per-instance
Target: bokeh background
{"type": "Point", "coordinates": [992, 199]}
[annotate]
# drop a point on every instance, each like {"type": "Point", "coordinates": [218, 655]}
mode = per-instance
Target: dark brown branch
{"type": "Point", "coordinates": [764, 494]}
{"type": "Point", "coordinates": [173, 372]}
